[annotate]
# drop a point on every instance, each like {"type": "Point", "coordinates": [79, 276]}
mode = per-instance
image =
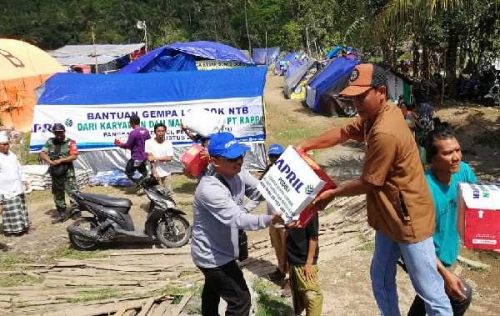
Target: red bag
{"type": "Point", "coordinates": [308, 213]}
{"type": "Point", "coordinates": [192, 161]}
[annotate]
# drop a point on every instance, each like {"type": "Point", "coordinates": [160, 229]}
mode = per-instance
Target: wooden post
{"type": "Point", "coordinates": [95, 51]}
{"type": "Point", "coordinates": [442, 79]}
{"type": "Point", "coordinates": [307, 41]}
{"type": "Point", "coordinates": [146, 36]}
{"type": "Point", "coordinates": [267, 55]}
{"type": "Point", "coordinates": [248, 33]}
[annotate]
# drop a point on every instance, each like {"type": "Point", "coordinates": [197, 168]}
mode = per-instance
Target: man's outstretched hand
{"type": "Point", "coordinates": [323, 199]}
{"type": "Point", "coordinates": [301, 147]}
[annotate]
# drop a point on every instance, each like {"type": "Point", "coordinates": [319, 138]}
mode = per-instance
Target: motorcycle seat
{"type": "Point", "coordinates": [105, 200]}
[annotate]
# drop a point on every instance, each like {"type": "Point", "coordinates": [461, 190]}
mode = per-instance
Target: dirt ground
{"type": "Point", "coordinates": [346, 247]}
{"type": "Point", "coordinates": [346, 281]}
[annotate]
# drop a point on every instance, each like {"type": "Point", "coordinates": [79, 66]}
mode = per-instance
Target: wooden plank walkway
{"type": "Point", "coordinates": [132, 282]}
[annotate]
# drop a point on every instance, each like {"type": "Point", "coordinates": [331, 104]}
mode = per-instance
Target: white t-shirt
{"type": "Point", "coordinates": [160, 150]}
{"type": "Point", "coordinates": [10, 175]}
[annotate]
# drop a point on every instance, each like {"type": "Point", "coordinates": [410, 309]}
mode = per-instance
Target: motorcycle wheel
{"type": "Point", "coordinates": [173, 234]}
{"type": "Point", "coordinates": [85, 225]}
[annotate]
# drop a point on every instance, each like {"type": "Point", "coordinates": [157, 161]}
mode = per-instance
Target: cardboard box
{"type": "Point", "coordinates": [479, 215]}
{"type": "Point", "coordinates": [307, 214]}
{"type": "Point", "coordinates": [192, 161]}
{"type": "Point", "coordinates": [292, 184]}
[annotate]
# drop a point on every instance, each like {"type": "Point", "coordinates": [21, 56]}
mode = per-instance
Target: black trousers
{"type": "Point", "coordinates": [227, 282]}
{"type": "Point", "coordinates": [459, 307]}
{"type": "Point", "coordinates": [130, 169]}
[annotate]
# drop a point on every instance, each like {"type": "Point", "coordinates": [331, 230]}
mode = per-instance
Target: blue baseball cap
{"type": "Point", "coordinates": [275, 149]}
{"type": "Point", "coordinates": [225, 145]}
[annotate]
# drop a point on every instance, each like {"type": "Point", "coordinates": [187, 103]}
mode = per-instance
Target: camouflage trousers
{"type": "Point", "coordinates": [59, 186]}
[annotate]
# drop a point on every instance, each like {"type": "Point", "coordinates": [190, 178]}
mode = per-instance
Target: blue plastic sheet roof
{"type": "Point", "coordinates": [290, 56]}
{"type": "Point", "coordinates": [337, 69]}
{"type": "Point", "coordinates": [211, 50]}
{"type": "Point", "coordinates": [67, 88]}
{"type": "Point", "coordinates": [334, 52]}
{"type": "Point", "coordinates": [200, 49]}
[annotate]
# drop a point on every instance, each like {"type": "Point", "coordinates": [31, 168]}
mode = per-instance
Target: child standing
{"type": "Point", "coordinates": [302, 250]}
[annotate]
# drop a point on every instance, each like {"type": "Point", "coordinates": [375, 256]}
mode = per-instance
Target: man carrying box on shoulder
{"type": "Point", "coordinates": [399, 204]}
{"type": "Point", "coordinates": [446, 171]}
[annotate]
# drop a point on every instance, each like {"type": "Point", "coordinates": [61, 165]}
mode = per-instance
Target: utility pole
{"type": "Point", "coordinates": [146, 36]}
{"type": "Point", "coordinates": [141, 25]}
{"type": "Point", "coordinates": [307, 41]}
{"type": "Point", "coordinates": [248, 33]}
{"type": "Point", "coordinates": [267, 55]}
{"type": "Point", "coordinates": [95, 50]}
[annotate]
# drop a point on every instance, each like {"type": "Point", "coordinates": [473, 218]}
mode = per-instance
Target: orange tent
{"type": "Point", "coordinates": [23, 68]}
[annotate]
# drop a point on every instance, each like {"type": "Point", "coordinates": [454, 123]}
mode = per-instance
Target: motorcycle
{"type": "Point", "coordinates": [111, 221]}
{"type": "Point", "coordinates": [492, 98]}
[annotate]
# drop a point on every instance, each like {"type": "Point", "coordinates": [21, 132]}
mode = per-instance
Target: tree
{"type": "Point", "coordinates": [451, 16]}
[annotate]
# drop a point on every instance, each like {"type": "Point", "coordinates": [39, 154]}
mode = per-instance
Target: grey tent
{"type": "Point", "coordinates": [300, 74]}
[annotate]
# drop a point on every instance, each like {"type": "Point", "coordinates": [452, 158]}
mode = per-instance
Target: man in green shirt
{"type": "Point", "coordinates": [60, 152]}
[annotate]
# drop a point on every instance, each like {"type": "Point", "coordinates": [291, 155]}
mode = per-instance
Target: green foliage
{"type": "Point", "coordinates": [294, 135]}
{"type": "Point", "coordinates": [269, 304]}
{"type": "Point", "coordinates": [367, 246]}
{"type": "Point", "coordinates": [19, 279]}
{"type": "Point", "coordinates": [467, 31]}
{"type": "Point", "coordinates": [64, 251]}
{"type": "Point", "coordinates": [95, 295]}
{"type": "Point", "coordinates": [291, 35]}
{"type": "Point", "coordinates": [10, 260]}
{"type": "Point", "coordinates": [171, 290]}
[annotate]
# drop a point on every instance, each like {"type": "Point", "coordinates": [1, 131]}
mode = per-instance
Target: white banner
{"type": "Point", "coordinates": [95, 127]}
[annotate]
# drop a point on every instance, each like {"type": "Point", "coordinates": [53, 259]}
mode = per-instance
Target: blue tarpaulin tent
{"type": "Point", "coordinates": [182, 56]}
{"type": "Point", "coordinates": [261, 55]}
{"type": "Point", "coordinates": [341, 51]}
{"type": "Point", "coordinates": [299, 76]}
{"type": "Point", "coordinates": [323, 81]}
{"type": "Point", "coordinates": [96, 108]}
{"type": "Point", "coordinates": [334, 52]}
{"type": "Point", "coordinates": [282, 65]}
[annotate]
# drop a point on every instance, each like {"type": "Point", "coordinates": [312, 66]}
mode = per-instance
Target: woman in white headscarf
{"type": "Point", "coordinates": [12, 198]}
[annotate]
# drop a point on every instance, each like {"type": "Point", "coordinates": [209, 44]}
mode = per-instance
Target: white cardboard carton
{"type": "Point", "coordinates": [290, 185]}
{"type": "Point", "coordinates": [479, 215]}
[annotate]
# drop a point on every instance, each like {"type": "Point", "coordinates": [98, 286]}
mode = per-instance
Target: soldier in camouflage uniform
{"type": "Point", "coordinates": [60, 152]}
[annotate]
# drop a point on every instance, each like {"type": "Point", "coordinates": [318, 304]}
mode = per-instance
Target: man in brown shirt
{"type": "Point", "coordinates": [399, 203]}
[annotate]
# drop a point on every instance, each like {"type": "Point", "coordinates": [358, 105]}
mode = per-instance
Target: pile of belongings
{"type": "Point", "coordinates": [39, 179]}
{"type": "Point", "coordinates": [115, 178]}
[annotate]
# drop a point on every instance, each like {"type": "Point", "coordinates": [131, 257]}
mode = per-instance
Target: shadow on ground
{"type": "Point", "coordinates": [344, 168]}
{"type": "Point", "coordinates": [186, 188]}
